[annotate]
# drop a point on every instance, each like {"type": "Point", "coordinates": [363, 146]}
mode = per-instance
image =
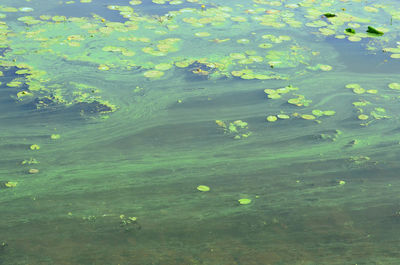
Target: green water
{"type": "Point", "coordinates": [120, 153]}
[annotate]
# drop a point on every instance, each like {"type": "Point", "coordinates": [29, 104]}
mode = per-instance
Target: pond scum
{"type": "Point", "coordinates": [199, 132]}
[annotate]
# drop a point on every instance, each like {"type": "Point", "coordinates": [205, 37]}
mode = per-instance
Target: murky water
{"type": "Point", "coordinates": [199, 132]}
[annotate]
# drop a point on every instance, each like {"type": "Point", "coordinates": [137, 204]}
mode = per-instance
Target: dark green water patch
{"type": "Point", "coordinates": [358, 59]}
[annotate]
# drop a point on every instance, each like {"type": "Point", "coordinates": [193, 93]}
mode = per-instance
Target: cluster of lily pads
{"type": "Point", "coordinates": [366, 111]}
{"type": "Point", "coordinates": [237, 129]}
{"type": "Point", "coordinates": [299, 101]}
{"type": "Point", "coordinates": [155, 45]}
{"type": "Point", "coordinates": [30, 164]}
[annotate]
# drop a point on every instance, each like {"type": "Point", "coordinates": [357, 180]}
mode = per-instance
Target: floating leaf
{"type": "Point", "coordinates": [353, 86]}
{"type": "Point", "coordinates": [317, 112]}
{"type": "Point", "coordinates": [329, 112]}
{"type": "Point", "coordinates": [244, 201]}
{"type": "Point", "coordinates": [153, 74]}
{"type": "Point", "coordinates": [203, 188]}
{"type": "Point", "coordinates": [35, 147]}
{"type": "Point", "coordinates": [283, 116]}
{"type": "Point", "coordinates": [395, 86]}
{"type": "Point", "coordinates": [202, 34]}
{"type": "Point", "coordinates": [272, 118]}
{"type": "Point", "coordinates": [308, 117]}
{"type": "Point", "coordinates": [359, 90]}
{"type": "Point", "coordinates": [350, 30]}
{"type": "Point", "coordinates": [55, 136]}
{"type": "Point", "coordinates": [328, 15]}
{"type": "Point", "coordinates": [10, 184]}
{"type": "Point", "coordinates": [374, 31]}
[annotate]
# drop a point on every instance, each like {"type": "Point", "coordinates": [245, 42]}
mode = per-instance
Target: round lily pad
{"type": "Point", "coordinates": [163, 66]}
{"type": "Point", "coordinates": [243, 41]}
{"type": "Point", "coordinates": [153, 74]}
{"type": "Point", "coordinates": [283, 116]}
{"type": "Point", "coordinates": [26, 9]}
{"type": "Point", "coordinates": [202, 34]}
{"type": "Point", "coordinates": [55, 136]}
{"type": "Point", "coordinates": [103, 67]}
{"type": "Point", "coordinates": [353, 86]}
{"type": "Point", "coordinates": [35, 147]}
{"type": "Point", "coordinates": [203, 188]}
{"type": "Point", "coordinates": [244, 201]}
{"type": "Point", "coordinates": [269, 91]}
{"type": "Point", "coordinates": [308, 117]}
{"type": "Point", "coordinates": [395, 86]}
{"type": "Point", "coordinates": [247, 76]}
{"type": "Point", "coordinates": [325, 67]}
{"type": "Point", "coordinates": [274, 96]}
{"type": "Point", "coordinates": [236, 55]}
{"type": "Point", "coordinates": [271, 118]}
{"type": "Point", "coordinates": [354, 38]}
{"type": "Point", "coordinates": [329, 112]}
{"type": "Point", "coordinates": [265, 45]}
{"type": "Point", "coordinates": [359, 90]}
{"type": "Point", "coordinates": [317, 112]}
{"type": "Point", "coordinates": [363, 117]}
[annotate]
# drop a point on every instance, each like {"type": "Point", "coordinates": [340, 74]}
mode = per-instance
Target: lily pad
{"type": "Point", "coordinates": [55, 136]}
{"type": "Point", "coordinates": [317, 112]}
{"type": "Point", "coordinates": [395, 86]}
{"type": "Point", "coordinates": [272, 118]}
{"type": "Point", "coordinates": [329, 112]}
{"type": "Point", "coordinates": [373, 30]}
{"type": "Point", "coordinates": [153, 74]}
{"type": "Point", "coordinates": [34, 147]}
{"type": "Point", "coordinates": [203, 188]}
{"type": "Point", "coordinates": [244, 201]}
{"type": "Point", "coordinates": [308, 117]}
{"type": "Point", "coordinates": [283, 116]}
{"type": "Point", "coordinates": [359, 90]}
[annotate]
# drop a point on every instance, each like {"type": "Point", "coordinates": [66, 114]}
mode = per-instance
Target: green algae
{"type": "Point", "coordinates": [112, 29]}
{"type": "Point", "coordinates": [150, 142]}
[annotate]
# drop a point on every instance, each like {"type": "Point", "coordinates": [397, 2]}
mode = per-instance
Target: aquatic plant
{"type": "Point", "coordinates": [203, 188]}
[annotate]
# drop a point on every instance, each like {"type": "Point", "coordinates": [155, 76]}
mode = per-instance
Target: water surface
{"type": "Point", "coordinates": [112, 113]}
